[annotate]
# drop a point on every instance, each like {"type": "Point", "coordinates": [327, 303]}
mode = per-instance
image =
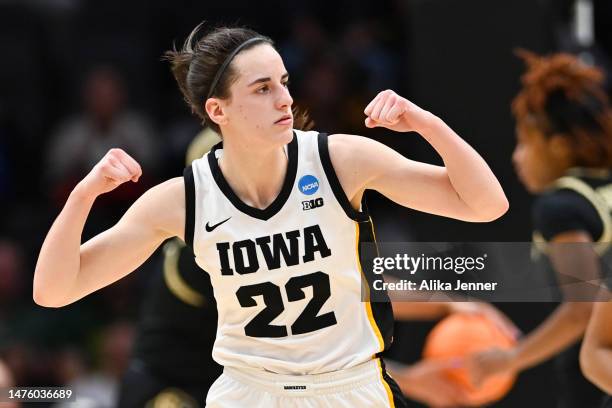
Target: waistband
{"type": "Point", "coordinates": [310, 384]}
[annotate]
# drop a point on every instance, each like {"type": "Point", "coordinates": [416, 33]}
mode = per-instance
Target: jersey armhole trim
{"type": "Point", "coordinates": [332, 178]}
{"type": "Point", "coordinates": [189, 205]}
{"type": "Point", "coordinates": [602, 244]}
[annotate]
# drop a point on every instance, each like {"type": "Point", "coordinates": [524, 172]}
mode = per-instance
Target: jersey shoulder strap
{"type": "Point", "coordinates": [189, 205]}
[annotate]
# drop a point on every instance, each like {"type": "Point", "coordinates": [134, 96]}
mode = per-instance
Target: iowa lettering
{"type": "Point", "coordinates": [287, 246]}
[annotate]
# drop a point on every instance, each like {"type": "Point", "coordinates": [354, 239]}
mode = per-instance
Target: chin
{"type": "Point", "coordinates": [534, 188]}
{"type": "Point", "coordinates": [286, 135]}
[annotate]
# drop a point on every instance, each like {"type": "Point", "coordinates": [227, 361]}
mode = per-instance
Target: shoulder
{"type": "Point", "coordinates": [340, 143]}
{"type": "Point", "coordinates": [355, 160]}
{"type": "Point", "coordinates": [352, 150]}
{"type": "Point", "coordinates": [362, 155]}
{"type": "Point", "coordinates": [564, 210]}
{"type": "Point", "coordinates": [561, 202]}
{"type": "Point", "coordinates": [167, 188]}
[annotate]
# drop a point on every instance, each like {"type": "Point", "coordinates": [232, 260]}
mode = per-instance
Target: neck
{"type": "Point", "coordinates": [256, 174]}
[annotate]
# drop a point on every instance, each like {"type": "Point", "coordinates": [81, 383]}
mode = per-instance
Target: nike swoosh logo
{"type": "Point", "coordinates": [210, 228]}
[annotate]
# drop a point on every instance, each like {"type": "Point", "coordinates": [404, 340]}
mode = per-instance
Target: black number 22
{"type": "Point", "coordinates": [306, 322]}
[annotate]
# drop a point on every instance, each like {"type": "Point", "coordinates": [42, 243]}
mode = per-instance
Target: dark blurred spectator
{"type": "Point", "coordinates": [322, 92]}
{"type": "Point", "coordinates": [5, 175]}
{"type": "Point", "coordinates": [23, 79]}
{"type": "Point", "coordinates": [307, 41]}
{"type": "Point", "coordinates": [104, 123]}
{"type": "Point", "coordinates": [11, 277]}
{"type": "Point", "coordinates": [6, 380]}
{"type": "Point", "coordinates": [98, 388]}
{"type": "Point", "coordinates": [367, 53]}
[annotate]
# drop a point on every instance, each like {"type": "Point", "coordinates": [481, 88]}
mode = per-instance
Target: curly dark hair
{"type": "Point", "coordinates": [564, 96]}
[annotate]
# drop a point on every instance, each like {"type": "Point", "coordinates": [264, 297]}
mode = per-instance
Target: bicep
{"type": "Point", "coordinates": [368, 164]}
{"type": "Point", "coordinates": [420, 186]}
{"type": "Point", "coordinates": [114, 253]}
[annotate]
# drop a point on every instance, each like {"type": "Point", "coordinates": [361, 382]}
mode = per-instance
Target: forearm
{"type": "Point", "coordinates": [403, 310]}
{"type": "Point", "coordinates": [561, 329]}
{"type": "Point", "coordinates": [469, 174]}
{"type": "Point", "coordinates": [59, 259]}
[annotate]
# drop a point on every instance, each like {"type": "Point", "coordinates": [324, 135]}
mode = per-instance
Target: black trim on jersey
{"type": "Point", "coordinates": [279, 201]}
{"type": "Point", "coordinates": [398, 397]}
{"type": "Point", "coordinates": [332, 178]}
{"type": "Point", "coordinates": [382, 312]}
{"type": "Point", "coordinates": [189, 205]}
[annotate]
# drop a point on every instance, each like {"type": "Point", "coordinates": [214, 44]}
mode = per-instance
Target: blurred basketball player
{"type": "Point", "coordinates": [563, 154]}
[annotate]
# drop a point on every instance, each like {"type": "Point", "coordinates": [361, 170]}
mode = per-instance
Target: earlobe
{"type": "Point", "coordinates": [215, 111]}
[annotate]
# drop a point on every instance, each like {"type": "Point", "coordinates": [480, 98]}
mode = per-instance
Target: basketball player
{"type": "Point", "coordinates": [274, 216]}
{"type": "Point", "coordinates": [563, 154]}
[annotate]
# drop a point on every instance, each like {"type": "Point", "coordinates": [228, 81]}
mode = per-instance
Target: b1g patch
{"type": "Point", "coordinates": [308, 184]}
{"type": "Point", "coordinates": [312, 204]}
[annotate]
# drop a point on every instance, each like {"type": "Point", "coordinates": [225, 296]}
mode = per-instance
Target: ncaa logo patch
{"type": "Point", "coordinates": [308, 184]}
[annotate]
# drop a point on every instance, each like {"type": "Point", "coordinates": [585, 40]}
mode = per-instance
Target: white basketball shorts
{"type": "Point", "coordinates": [364, 386]}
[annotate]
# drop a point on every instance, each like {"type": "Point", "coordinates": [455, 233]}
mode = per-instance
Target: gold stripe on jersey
{"type": "Point", "coordinates": [385, 384]}
{"type": "Point", "coordinates": [590, 172]}
{"type": "Point", "coordinates": [175, 283]}
{"type": "Point", "coordinates": [374, 235]}
{"type": "Point", "coordinates": [582, 188]}
{"type": "Point", "coordinates": [366, 288]}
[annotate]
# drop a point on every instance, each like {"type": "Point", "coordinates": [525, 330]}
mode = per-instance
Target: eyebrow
{"type": "Point", "coordinates": [266, 79]}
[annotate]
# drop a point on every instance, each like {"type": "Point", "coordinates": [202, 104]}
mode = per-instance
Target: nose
{"type": "Point", "coordinates": [284, 100]}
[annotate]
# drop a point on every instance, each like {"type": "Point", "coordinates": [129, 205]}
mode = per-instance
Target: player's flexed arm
{"type": "Point", "coordinates": [465, 188]}
{"type": "Point", "coordinates": [66, 270]}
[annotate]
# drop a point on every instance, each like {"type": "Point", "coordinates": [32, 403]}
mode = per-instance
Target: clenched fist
{"type": "Point", "coordinates": [115, 168]}
{"type": "Point", "coordinates": [391, 111]}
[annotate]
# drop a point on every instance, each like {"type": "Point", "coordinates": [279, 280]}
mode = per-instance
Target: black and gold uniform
{"type": "Point", "coordinates": [579, 201]}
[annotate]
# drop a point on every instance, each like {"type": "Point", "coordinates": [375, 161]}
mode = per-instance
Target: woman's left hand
{"type": "Point", "coordinates": [494, 361]}
{"type": "Point", "coordinates": [490, 312]}
{"type": "Point", "coordinates": [391, 111]}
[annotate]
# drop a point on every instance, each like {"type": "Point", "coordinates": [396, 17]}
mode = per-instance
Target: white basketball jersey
{"type": "Point", "coordinates": [288, 278]}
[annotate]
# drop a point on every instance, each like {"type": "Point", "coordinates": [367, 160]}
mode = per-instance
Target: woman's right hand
{"type": "Point", "coordinates": [115, 168]}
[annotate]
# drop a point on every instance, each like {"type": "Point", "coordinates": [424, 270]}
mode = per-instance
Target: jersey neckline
{"type": "Point", "coordinates": [278, 203]}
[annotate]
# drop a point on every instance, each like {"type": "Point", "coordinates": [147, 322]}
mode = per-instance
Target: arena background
{"type": "Point", "coordinates": [65, 59]}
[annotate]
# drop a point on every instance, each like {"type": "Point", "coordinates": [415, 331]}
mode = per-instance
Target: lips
{"type": "Point", "coordinates": [284, 120]}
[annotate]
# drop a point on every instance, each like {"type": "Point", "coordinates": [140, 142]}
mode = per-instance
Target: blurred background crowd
{"type": "Point", "coordinates": [80, 76]}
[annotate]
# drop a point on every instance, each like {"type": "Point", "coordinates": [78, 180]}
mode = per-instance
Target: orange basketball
{"type": "Point", "coordinates": [461, 334]}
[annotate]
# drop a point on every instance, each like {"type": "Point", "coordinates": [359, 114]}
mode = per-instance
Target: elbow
{"type": "Point", "coordinates": [42, 298]}
{"type": "Point", "coordinates": [592, 367]}
{"type": "Point", "coordinates": [586, 360]}
{"type": "Point", "coordinates": [495, 210]}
